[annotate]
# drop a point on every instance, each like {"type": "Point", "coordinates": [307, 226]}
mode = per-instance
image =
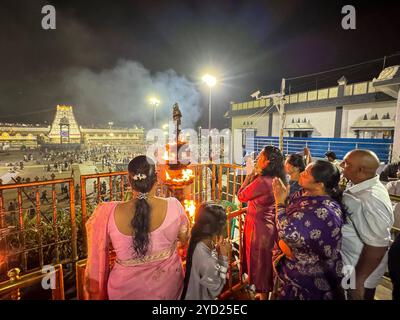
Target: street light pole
{"type": "Point", "coordinates": [278, 100]}
{"type": "Point", "coordinates": [209, 111]}
{"type": "Point", "coordinates": [155, 103]}
{"type": "Point", "coordinates": [210, 81]}
{"type": "Point", "coordinates": [155, 116]}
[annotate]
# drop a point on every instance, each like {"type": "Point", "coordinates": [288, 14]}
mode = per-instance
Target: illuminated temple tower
{"type": "Point", "coordinates": [64, 129]}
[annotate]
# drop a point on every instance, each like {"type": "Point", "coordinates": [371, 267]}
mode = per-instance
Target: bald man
{"type": "Point", "coordinates": [366, 235]}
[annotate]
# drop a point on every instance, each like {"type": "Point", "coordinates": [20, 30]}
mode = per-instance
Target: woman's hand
{"type": "Point", "coordinates": [249, 166]}
{"type": "Point", "coordinates": [223, 246]}
{"type": "Point", "coordinates": [256, 172]}
{"type": "Point", "coordinates": [307, 155]}
{"type": "Point", "coordinates": [280, 191]}
{"type": "Point", "coordinates": [250, 177]}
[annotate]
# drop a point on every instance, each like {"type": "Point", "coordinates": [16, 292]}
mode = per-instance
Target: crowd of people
{"type": "Point", "coordinates": [107, 157]}
{"type": "Point", "coordinates": [314, 230]}
{"type": "Point", "coordinates": [54, 163]}
{"type": "Point", "coordinates": [335, 225]}
{"type": "Point", "coordinates": [61, 161]}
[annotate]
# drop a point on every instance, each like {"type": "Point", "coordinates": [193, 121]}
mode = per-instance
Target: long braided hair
{"type": "Point", "coordinates": [144, 167]}
{"type": "Point", "coordinates": [209, 221]}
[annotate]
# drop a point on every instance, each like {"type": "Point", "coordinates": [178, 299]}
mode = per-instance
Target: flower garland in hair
{"type": "Point", "coordinates": [139, 176]}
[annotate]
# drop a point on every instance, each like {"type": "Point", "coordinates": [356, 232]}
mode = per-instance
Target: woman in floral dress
{"type": "Point", "coordinates": [308, 264]}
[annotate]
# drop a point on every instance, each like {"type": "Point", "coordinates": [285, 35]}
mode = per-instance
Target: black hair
{"type": "Point", "coordinates": [210, 220]}
{"type": "Point", "coordinates": [297, 161]}
{"type": "Point", "coordinates": [275, 167]}
{"type": "Point", "coordinates": [141, 219]}
{"type": "Point", "coordinates": [331, 154]}
{"type": "Point", "coordinates": [327, 173]}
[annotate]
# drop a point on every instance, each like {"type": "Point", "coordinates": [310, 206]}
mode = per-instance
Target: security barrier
{"type": "Point", "coordinates": [38, 230]}
{"type": "Point", "coordinates": [50, 278]}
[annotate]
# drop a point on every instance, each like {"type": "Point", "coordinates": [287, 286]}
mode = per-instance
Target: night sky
{"type": "Point", "coordinates": [105, 56]}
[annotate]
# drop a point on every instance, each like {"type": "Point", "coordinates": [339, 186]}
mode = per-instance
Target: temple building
{"type": "Point", "coordinates": [65, 131]}
{"type": "Point", "coordinates": [64, 128]}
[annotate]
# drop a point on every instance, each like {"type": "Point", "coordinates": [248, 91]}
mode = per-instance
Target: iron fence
{"type": "Point", "coordinates": [36, 230]}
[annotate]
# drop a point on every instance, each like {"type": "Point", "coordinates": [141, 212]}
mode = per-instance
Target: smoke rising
{"type": "Point", "coordinates": [121, 95]}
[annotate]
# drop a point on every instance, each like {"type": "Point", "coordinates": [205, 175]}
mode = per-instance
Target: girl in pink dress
{"type": "Point", "coordinates": [144, 233]}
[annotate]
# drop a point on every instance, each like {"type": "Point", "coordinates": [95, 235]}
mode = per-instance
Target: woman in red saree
{"type": "Point", "coordinates": [260, 230]}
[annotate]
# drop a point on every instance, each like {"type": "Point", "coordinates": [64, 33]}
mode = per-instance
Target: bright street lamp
{"type": "Point", "coordinates": [155, 103]}
{"type": "Point", "coordinates": [210, 81]}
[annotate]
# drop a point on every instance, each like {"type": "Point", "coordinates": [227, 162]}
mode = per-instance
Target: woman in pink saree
{"type": "Point", "coordinates": [144, 234]}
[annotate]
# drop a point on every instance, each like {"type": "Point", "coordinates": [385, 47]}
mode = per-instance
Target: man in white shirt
{"type": "Point", "coordinates": [366, 235]}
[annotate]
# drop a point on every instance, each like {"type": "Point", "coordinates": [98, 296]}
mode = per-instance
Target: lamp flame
{"type": "Point", "coordinates": [190, 208]}
{"type": "Point", "coordinates": [165, 156]}
{"type": "Point", "coordinates": [185, 176]}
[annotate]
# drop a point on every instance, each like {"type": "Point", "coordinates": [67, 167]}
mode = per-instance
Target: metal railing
{"type": "Point", "coordinates": [112, 186]}
{"type": "Point", "coordinates": [232, 218]}
{"type": "Point", "coordinates": [80, 267]}
{"type": "Point", "coordinates": [35, 230]}
{"type": "Point", "coordinates": [12, 288]}
{"type": "Point", "coordinates": [216, 182]}
{"type": "Point", "coordinates": [220, 183]}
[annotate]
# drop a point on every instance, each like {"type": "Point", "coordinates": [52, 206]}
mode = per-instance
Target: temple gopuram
{"type": "Point", "coordinates": [65, 131]}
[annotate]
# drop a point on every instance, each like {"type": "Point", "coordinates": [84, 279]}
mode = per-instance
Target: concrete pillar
{"type": "Point", "coordinates": [396, 140]}
{"type": "Point", "coordinates": [270, 118]}
{"type": "Point", "coordinates": [237, 143]}
{"type": "Point", "coordinates": [345, 123]}
{"type": "Point", "coordinates": [338, 122]}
